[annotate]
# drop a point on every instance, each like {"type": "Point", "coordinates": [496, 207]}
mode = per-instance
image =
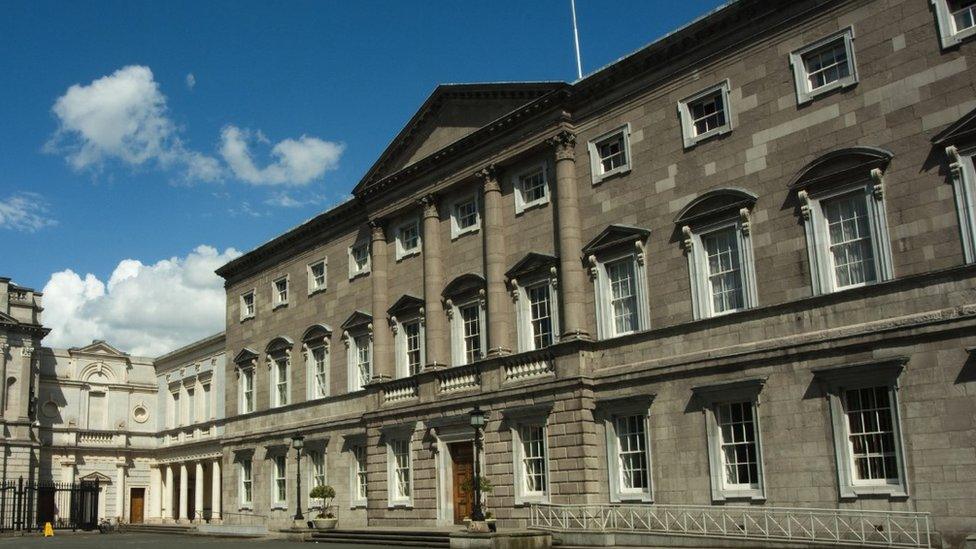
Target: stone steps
{"type": "Point", "coordinates": [397, 538]}
{"type": "Point", "coordinates": [159, 528]}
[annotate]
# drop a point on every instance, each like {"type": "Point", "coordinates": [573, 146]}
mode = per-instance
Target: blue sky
{"type": "Point", "coordinates": [329, 83]}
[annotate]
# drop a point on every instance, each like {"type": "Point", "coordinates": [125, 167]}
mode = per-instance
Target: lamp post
{"type": "Point", "coordinates": [298, 442]}
{"type": "Point", "coordinates": [478, 417]}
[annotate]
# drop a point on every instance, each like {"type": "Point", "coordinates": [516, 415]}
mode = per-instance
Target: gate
{"type": "Point", "coordinates": [27, 506]}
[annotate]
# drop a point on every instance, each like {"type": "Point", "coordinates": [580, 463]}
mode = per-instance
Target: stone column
{"type": "Point", "coordinates": [155, 491]}
{"type": "Point", "coordinates": [120, 491]}
{"type": "Point", "coordinates": [435, 323]}
{"type": "Point", "coordinates": [215, 508]}
{"type": "Point", "coordinates": [4, 347]}
{"type": "Point", "coordinates": [383, 367]}
{"type": "Point", "coordinates": [198, 494]}
{"type": "Point", "coordinates": [168, 494]}
{"type": "Point", "coordinates": [499, 310]}
{"type": "Point", "coordinates": [572, 281]}
{"type": "Point", "coordinates": [184, 488]}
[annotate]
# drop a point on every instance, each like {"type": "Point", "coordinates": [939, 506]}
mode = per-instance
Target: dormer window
{"type": "Point", "coordinates": [705, 114]}
{"type": "Point", "coordinates": [247, 305]}
{"type": "Point", "coordinates": [824, 65]}
{"type": "Point", "coordinates": [280, 289]}
{"type": "Point", "coordinates": [610, 154]}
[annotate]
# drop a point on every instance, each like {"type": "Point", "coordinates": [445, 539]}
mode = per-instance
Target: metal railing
{"type": "Point", "coordinates": [802, 525]}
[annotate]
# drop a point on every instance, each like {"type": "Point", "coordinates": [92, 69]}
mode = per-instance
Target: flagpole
{"type": "Point", "coordinates": [579, 62]}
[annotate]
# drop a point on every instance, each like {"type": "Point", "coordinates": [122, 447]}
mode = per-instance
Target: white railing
{"type": "Point", "coordinates": [533, 365]}
{"type": "Point", "coordinates": [818, 526]}
{"type": "Point", "coordinates": [400, 390]}
{"type": "Point", "coordinates": [95, 438]}
{"type": "Point", "coordinates": [458, 379]}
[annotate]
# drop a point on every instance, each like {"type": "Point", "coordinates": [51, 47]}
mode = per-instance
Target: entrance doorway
{"type": "Point", "coordinates": [462, 461]}
{"type": "Point", "coordinates": [137, 502]}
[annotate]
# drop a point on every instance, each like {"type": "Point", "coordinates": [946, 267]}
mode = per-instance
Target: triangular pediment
{"type": "Point", "coordinates": [533, 262]}
{"type": "Point", "coordinates": [245, 356]}
{"type": "Point", "coordinates": [406, 303]}
{"type": "Point", "coordinates": [95, 476]}
{"type": "Point", "coordinates": [615, 236]}
{"type": "Point", "coordinates": [452, 112]}
{"type": "Point", "coordinates": [100, 348]}
{"type": "Point", "coordinates": [7, 319]}
{"type": "Point", "coordinates": [356, 320]}
{"type": "Point", "coordinates": [962, 130]}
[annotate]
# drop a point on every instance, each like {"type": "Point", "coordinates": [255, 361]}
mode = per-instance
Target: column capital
{"type": "Point", "coordinates": [377, 229]}
{"type": "Point", "coordinates": [489, 178]}
{"type": "Point", "coordinates": [565, 144]}
{"type": "Point", "coordinates": [428, 203]}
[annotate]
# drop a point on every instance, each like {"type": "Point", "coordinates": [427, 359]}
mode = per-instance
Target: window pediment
{"type": "Point", "coordinates": [960, 131]}
{"type": "Point", "coordinates": [532, 263]}
{"type": "Point", "coordinates": [843, 166]}
{"type": "Point", "coordinates": [615, 236]}
{"type": "Point", "coordinates": [747, 389]}
{"type": "Point", "coordinates": [464, 285]}
{"type": "Point", "coordinates": [715, 204]}
{"type": "Point", "coordinates": [317, 332]}
{"type": "Point", "coordinates": [406, 304]}
{"type": "Point", "coordinates": [279, 344]}
{"type": "Point", "coordinates": [357, 320]}
{"type": "Point", "coordinates": [873, 371]}
{"type": "Point", "coordinates": [245, 356]}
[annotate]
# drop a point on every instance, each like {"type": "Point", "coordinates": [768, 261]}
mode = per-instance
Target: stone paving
{"type": "Point", "coordinates": [155, 541]}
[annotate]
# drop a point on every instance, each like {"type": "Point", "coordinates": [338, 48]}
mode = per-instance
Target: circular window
{"type": "Point", "coordinates": [50, 409]}
{"type": "Point", "coordinates": [140, 414]}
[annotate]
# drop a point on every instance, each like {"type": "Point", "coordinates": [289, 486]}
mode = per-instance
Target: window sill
{"type": "Point", "coordinates": [461, 232]}
{"type": "Point", "coordinates": [740, 495]}
{"type": "Point", "coordinates": [891, 491]}
{"type": "Point", "coordinates": [360, 274]}
{"type": "Point", "coordinates": [357, 505]}
{"type": "Point", "coordinates": [525, 501]}
{"type": "Point", "coordinates": [692, 142]}
{"type": "Point", "coordinates": [532, 205]}
{"type": "Point", "coordinates": [809, 96]}
{"type": "Point", "coordinates": [407, 255]}
{"type": "Point", "coordinates": [616, 172]}
{"type": "Point", "coordinates": [319, 290]}
{"type": "Point", "coordinates": [279, 306]}
{"type": "Point", "coordinates": [279, 507]}
{"type": "Point", "coordinates": [633, 498]}
{"type": "Point", "coordinates": [400, 505]}
{"type": "Point", "coordinates": [247, 508]}
{"type": "Point", "coordinates": [246, 318]}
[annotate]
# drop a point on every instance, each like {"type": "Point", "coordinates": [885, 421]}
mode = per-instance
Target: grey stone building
{"type": "Point", "coordinates": [734, 268]}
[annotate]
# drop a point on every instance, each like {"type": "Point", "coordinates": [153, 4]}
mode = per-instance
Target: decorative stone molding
{"type": "Point", "coordinates": [878, 189]}
{"type": "Point", "coordinates": [639, 248]}
{"type": "Point", "coordinates": [428, 204]}
{"type": "Point", "coordinates": [27, 352]}
{"type": "Point", "coordinates": [377, 229]}
{"type": "Point", "coordinates": [565, 144]}
{"type": "Point", "coordinates": [687, 242]}
{"type": "Point", "coordinates": [594, 266]}
{"type": "Point", "coordinates": [449, 308]}
{"type": "Point", "coordinates": [489, 177]}
{"type": "Point", "coordinates": [513, 288]}
{"type": "Point", "coordinates": [745, 221]}
{"type": "Point", "coordinates": [804, 204]}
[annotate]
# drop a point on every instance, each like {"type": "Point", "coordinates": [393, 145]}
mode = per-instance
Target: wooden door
{"type": "Point", "coordinates": [462, 457]}
{"type": "Point", "coordinates": [137, 500]}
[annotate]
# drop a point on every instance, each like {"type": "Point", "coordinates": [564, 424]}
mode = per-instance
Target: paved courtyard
{"type": "Point", "coordinates": [157, 541]}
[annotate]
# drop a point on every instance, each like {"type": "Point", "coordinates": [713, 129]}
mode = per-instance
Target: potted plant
{"type": "Point", "coordinates": [326, 518]}
{"type": "Point", "coordinates": [486, 488]}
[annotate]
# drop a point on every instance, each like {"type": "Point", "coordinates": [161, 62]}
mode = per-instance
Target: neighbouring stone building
{"type": "Point", "coordinates": [732, 268]}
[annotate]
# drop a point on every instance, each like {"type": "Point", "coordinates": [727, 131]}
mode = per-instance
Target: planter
{"type": "Point", "coordinates": [325, 523]}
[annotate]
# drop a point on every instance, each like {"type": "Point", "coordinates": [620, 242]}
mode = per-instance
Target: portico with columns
{"type": "Point", "coordinates": [186, 489]}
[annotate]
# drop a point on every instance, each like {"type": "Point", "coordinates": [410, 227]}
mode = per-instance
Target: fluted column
{"type": "Point", "coordinates": [499, 313]}
{"type": "Point", "coordinates": [168, 494]}
{"type": "Point", "coordinates": [184, 488]}
{"type": "Point", "coordinates": [383, 367]}
{"type": "Point", "coordinates": [572, 282]}
{"type": "Point", "coordinates": [215, 508]}
{"type": "Point", "coordinates": [435, 323]}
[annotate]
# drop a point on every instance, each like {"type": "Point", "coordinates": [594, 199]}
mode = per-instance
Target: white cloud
{"type": "Point", "coordinates": [147, 310]}
{"type": "Point", "coordinates": [123, 116]}
{"type": "Point", "coordinates": [296, 162]}
{"type": "Point", "coordinates": [286, 200]}
{"type": "Point", "coordinates": [26, 212]}
{"type": "Point", "coordinates": [191, 81]}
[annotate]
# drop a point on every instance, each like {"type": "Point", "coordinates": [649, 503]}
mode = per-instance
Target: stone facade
{"type": "Point", "coordinates": [797, 350]}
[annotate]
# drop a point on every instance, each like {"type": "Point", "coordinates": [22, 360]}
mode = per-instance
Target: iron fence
{"type": "Point", "coordinates": [28, 506]}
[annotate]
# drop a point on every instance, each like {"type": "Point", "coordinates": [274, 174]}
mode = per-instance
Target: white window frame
{"type": "Point", "coordinates": [402, 252]}
{"type": "Point", "coordinates": [698, 270]}
{"type": "Point", "coordinates": [206, 394]}
{"type": "Point", "coordinates": [246, 478]}
{"type": "Point", "coordinates": [313, 471]}
{"type": "Point", "coordinates": [458, 350]}
{"type": "Point", "coordinates": [946, 25]}
{"type": "Point", "coordinates": [275, 372]}
{"type": "Point", "coordinates": [246, 372]}
{"type": "Point", "coordinates": [596, 165]}
{"type": "Point", "coordinates": [523, 309]}
{"type": "Point", "coordinates": [615, 411]}
{"type": "Point", "coordinates": [518, 184]}
{"type": "Point", "coordinates": [962, 172]}
{"type": "Point", "coordinates": [522, 495]}
{"type": "Point", "coordinates": [254, 305]}
{"type": "Point", "coordinates": [822, 273]}
{"type": "Point", "coordinates": [357, 471]}
{"type": "Point", "coordinates": [400, 342]}
{"type": "Point", "coordinates": [354, 269]}
{"type": "Point", "coordinates": [606, 327]}
{"type": "Point", "coordinates": [835, 382]}
{"type": "Point", "coordinates": [279, 504]}
{"type": "Point", "coordinates": [710, 398]}
{"type": "Point", "coordinates": [394, 497]}
{"type": "Point", "coordinates": [456, 230]}
{"type": "Point", "coordinates": [314, 390]}
{"type": "Point", "coordinates": [191, 405]}
{"type": "Point", "coordinates": [800, 76]}
{"type": "Point", "coordinates": [275, 294]}
{"type": "Point", "coordinates": [176, 414]}
{"type": "Point", "coordinates": [688, 130]}
{"type": "Point", "coordinates": [313, 285]}
{"type": "Point", "coordinates": [353, 341]}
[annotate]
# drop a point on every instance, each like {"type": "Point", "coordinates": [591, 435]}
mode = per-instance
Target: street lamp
{"type": "Point", "coordinates": [298, 442]}
{"type": "Point", "coordinates": [478, 417]}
